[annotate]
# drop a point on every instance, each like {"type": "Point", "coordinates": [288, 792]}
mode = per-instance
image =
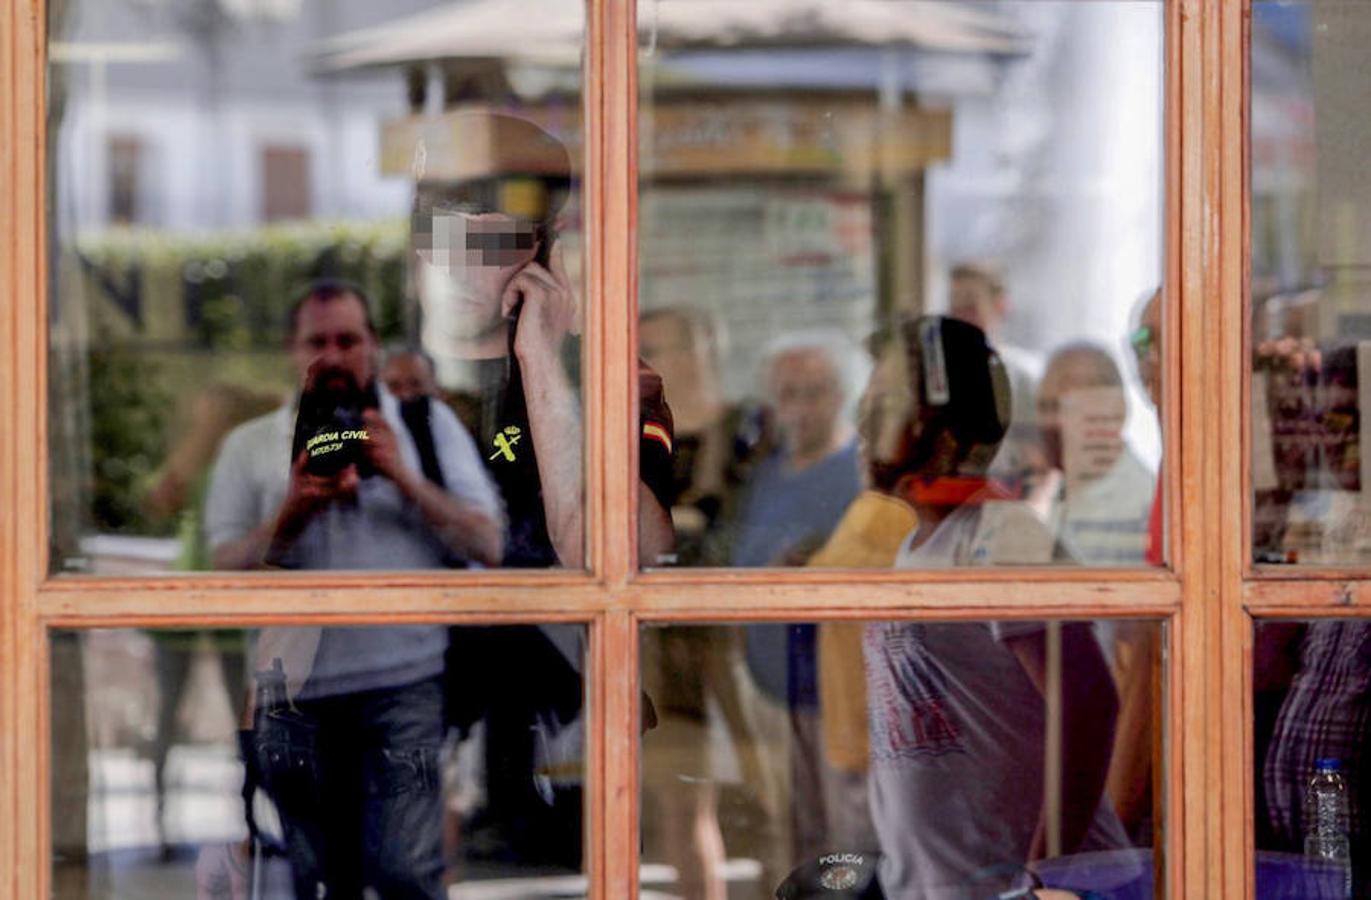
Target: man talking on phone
{"type": "Point", "coordinates": [501, 317]}
{"type": "Point", "coordinates": [501, 320]}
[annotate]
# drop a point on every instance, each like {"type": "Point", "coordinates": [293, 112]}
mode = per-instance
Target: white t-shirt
{"type": "Point", "coordinates": [1104, 523]}
{"type": "Point", "coordinates": [957, 734]}
{"type": "Point", "coordinates": [382, 530]}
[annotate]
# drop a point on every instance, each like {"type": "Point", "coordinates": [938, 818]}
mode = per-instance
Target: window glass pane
{"type": "Point", "coordinates": [396, 761]}
{"type": "Point", "coordinates": [937, 759]}
{"type": "Point", "coordinates": [815, 180]}
{"type": "Point", "coordinates": [1312, 739]}
{"type": "Point", "coordinates": [1311, 245]}
{"type": "Point", "coordinates": [284, 229]}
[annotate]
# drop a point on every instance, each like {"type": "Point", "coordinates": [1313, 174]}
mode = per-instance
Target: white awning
{"type": "Point", "coordinates": [551, 32]}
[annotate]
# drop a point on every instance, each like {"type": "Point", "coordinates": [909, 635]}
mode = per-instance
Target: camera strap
{"type": "Point", "coordinates": [415, 415]}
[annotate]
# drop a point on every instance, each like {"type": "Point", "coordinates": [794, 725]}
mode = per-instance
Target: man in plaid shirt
{"type": "Point", "coordinates": [1326, 713]}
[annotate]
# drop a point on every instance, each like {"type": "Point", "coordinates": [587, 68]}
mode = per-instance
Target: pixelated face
{"type": "Point", "coordinates": [408, 376]}
{"type": "Point", "coordinates": [333, 342]}
{"type": "Point", "coordinates": [666, 344]}
{"type": "Point", "coordinates": [1067, 373]}
{"type": "Point", "coordinates": [887, 416]}
{"type": "Point", "coordinates": [973, 300]}
{"type": "Point", "coordinates": [807, 398]}
{"type": "Point", "coordinates": [465, 262]}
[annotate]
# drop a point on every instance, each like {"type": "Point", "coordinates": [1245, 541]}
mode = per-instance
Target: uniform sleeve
{"type": "Point", "coordinates": [655, 437]}
{"type": "Point", "coordinates": [464, 474]}
{"type": "Point", "coordinates": [231, 502]}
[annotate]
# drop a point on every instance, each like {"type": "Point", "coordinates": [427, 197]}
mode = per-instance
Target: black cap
{"type": "Point", "coordinates": [834, 876]}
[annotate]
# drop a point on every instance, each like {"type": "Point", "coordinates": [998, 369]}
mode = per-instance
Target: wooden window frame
{"type": "Point", "coordinates": [1209, 595]}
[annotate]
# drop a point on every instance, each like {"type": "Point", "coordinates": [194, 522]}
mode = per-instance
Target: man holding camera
{"type": "Point", "coordinates": [320, 514]}
{"type": "Point", "coordinates": [346, 741]}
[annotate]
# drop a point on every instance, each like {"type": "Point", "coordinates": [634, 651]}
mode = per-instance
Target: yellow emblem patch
{"type": "Point", "coordinates": [505, 441]}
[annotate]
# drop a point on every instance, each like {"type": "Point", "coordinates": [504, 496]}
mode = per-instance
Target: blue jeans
{"type": "Point", "coordinates": [355, 780]}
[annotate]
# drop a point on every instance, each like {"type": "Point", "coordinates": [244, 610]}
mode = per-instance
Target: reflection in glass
{"type": "Point", "coordinates": [1312, 710]}
{"type": "Point", "coordinates": [984, 749]}
{"type": "Point", "coordinates": [283, 762]}
{"type": "Point", "coordinates": [1310, 245]}
{"type": "Point", "coordinates": [809, 180]}
{"type": "Point", "coordinates": [273, 223]}
{"type": "Point", "coordinates": [933, 759]}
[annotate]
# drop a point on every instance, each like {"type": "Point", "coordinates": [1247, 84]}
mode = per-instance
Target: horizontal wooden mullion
{"type": "Point", "coordinates": [265, 603]}
{"type": "Point", "coordinates": [231, 623]}
{"type": "Point", "coordinates": [874, 598]}
{"type": "Point", "coordinates": [511, 579]}
{"type": "Point", "coordinates": [274, 601]}
{"type": "Point", "coordinates": [335, 580]}
{"type": "Point", "coordinates": [929, 612]}
{"type": "Point", "coordinates": [1298, 573]}
{"type": "Point", "coordinates": [1350, 597]}
{"type": "Point", "coordinates": [1016, 575]}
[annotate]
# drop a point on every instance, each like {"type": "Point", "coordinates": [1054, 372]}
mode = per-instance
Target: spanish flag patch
{"type": "Point", "coordinates": [655, 432]}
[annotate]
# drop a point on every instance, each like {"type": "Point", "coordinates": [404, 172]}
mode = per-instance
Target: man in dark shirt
{"type": "Point", "coordinates": [500, 319]}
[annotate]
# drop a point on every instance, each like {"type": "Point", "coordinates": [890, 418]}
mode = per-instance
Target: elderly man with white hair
{"type": "Point", "coordinates": [793, 501]}
{"type": "Point", "coordinates": [811, 380]}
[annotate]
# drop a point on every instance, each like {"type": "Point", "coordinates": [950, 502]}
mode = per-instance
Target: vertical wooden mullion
{"type": "Point", "coordinates": [1185, 833]}
{"type": "Point", "coordinates": [1180, 108]}
{"type": "Point", "coordinates": [597, 281]}
{"type": "Point", "coordinates": [1231, 250]}
{"type": "Point", "coordinates": [9, 376]}
{"type": "Point", "coordinates": [1190, 335]}
{"type": "Point", "coordinates": [23, 785]}
{"type": "Point", "coordinates": [1180, 860]}
{"type": "Point", "coordinates": [611, 397]}
{"type": "Point", "coordinates": [1207, 812]}
{"type": "Point", "coordinates": [616, 718]}
{"type": "Point", "coordinates": [611, 415]}
{"type": "Point", "coordinates": [1214, 768]}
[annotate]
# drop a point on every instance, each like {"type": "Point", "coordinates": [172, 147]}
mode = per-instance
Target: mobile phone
{"type": "Point", "coordinates": [543, 257]}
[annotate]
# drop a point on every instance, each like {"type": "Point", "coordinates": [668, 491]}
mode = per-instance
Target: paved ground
{"type": "Point", "coordinates": [203, 816]}
{"type": "Point", "coordinates": [116, 712]}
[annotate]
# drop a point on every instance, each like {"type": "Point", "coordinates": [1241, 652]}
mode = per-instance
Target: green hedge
{"type": "Point", "coordinates": [160, 316]}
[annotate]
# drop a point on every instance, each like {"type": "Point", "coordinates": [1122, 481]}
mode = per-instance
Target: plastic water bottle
{"type": "Point", "coordinates": [1326, 820]}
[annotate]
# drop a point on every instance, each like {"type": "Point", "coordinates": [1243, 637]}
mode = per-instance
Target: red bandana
{"type": "Point", "coordinates": [953, 491]}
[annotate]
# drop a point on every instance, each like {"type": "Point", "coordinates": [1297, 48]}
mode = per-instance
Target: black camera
{"type": "Point", "coordinates": [329, 428]}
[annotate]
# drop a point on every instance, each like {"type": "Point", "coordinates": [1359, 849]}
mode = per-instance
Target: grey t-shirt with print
{"type": "Point", "coordinates": [957, 741]}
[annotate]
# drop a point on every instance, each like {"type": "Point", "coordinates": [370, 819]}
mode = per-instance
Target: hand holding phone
{"type": "Point", "coordinates": [543, 306]}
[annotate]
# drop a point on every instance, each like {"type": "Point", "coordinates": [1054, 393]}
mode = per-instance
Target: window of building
{"type": "Point", "coordinates": [125, 170]}
{"type": "Point", "coordinates": [286, 188]}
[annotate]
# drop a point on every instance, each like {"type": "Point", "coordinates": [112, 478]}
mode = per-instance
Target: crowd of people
{"type": "Point", "coordinates": [931, 759]}
{"type": "Point", "coordinates": [926, 447]}
{"type": "Point", "coordinates": [922, 743]}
